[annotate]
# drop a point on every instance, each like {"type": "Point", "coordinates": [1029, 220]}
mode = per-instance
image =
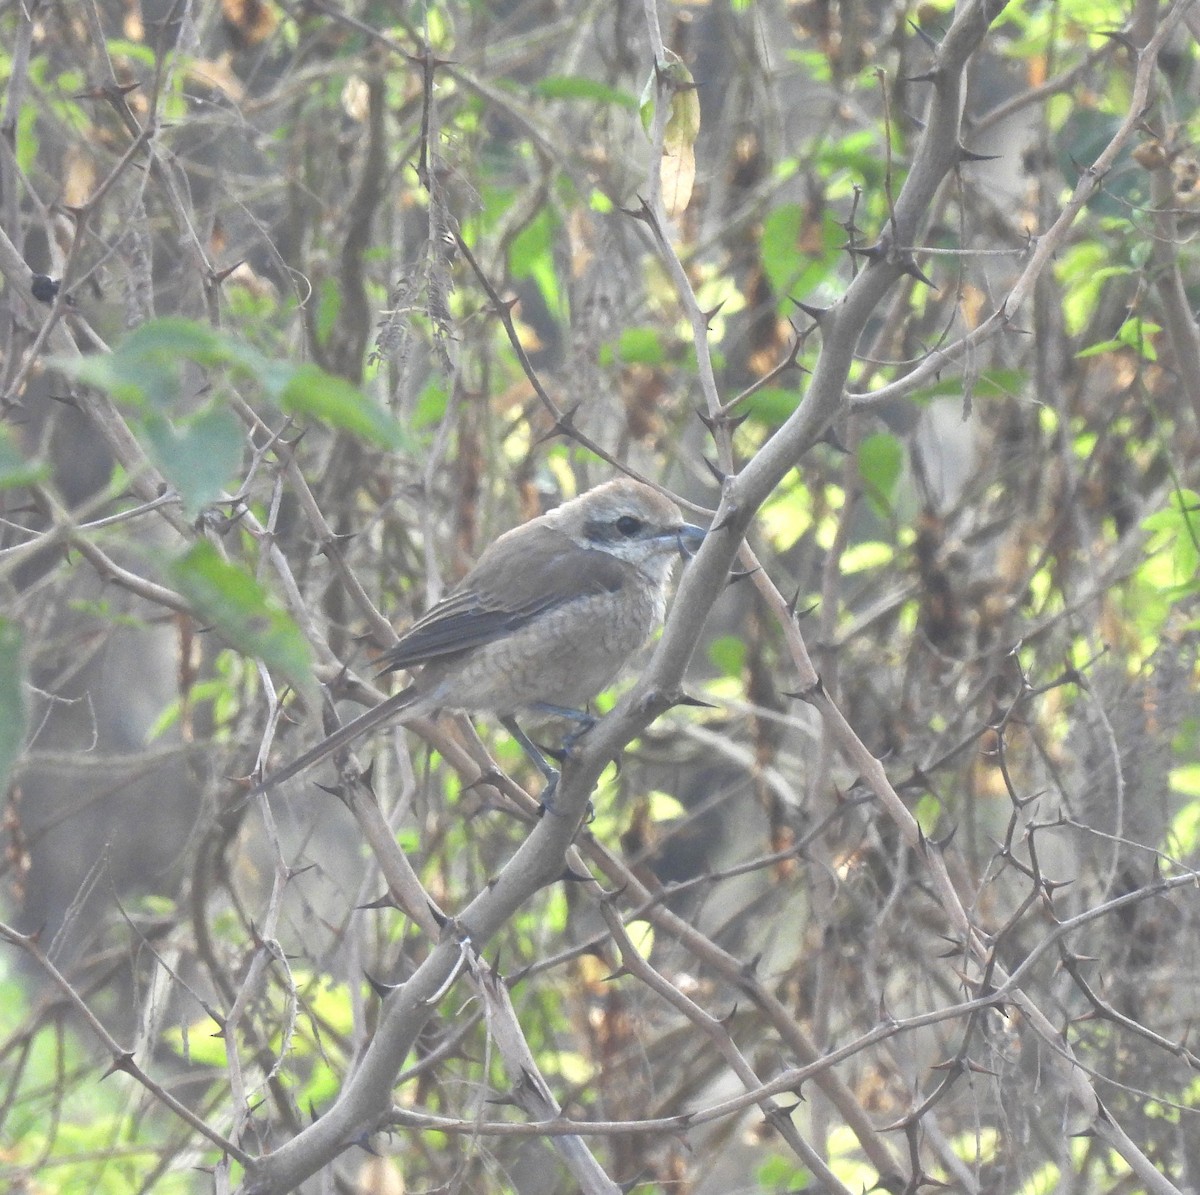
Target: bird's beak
{"type": "Point", "coordinates": [689, 538]}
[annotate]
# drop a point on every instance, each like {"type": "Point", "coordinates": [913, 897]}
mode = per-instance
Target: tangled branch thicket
{"type": "Point", "coordinates": [304, 303]}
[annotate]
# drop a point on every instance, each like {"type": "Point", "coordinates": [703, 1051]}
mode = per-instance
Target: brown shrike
{"type": "Point", "coordinates": [544, 621]}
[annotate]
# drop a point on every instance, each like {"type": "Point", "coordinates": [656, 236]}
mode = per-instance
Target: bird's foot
{"type": "Point", "coordinates": [547, 806]}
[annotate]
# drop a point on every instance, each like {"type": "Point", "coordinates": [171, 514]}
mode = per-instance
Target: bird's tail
{"type": "Point", "coordinates": [339, 739]}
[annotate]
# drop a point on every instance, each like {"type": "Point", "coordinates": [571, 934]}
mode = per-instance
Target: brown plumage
{"type": "Point", "coordinates": [543, 622]}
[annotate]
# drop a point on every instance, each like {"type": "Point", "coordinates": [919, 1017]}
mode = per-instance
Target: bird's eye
{"type": "Point", "coordinates": [629, 526]}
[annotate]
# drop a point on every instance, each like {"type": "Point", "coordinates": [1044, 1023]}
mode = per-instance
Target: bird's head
{"type": "Point", "coordinates": [630, 521]}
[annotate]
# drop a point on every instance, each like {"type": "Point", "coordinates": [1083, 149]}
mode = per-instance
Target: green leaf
{"type": "Point", "coordinates": [27, 142]}
{"type": "Point", "coordinates": [13, 712]}
{"type": "Point", "coordinates": [308, 390]}
{"type": "Point", "coordinates": [640, 346]}
{"type": "Point", "coordinates": [773, 405]}
{"type": "Point", "coordinates": [866, 555]}
{"type": "Point", "coordinates": [15, 470]}
{"type": "Point", "coordinates": [199, 456]}
{"type": "Point", "coordinates": [199, 1044]}
{"type": "Point", "coordinates": [173, 337]}
{"type": "Point", "coordinates": [234, 603]}
{"type": "Point", "coordinates": [798, 254]}
{"type": "Point", "coordinates": [531, 255]}
{"type": "Point", "coordinates": [145, 369]}
{"type": "Point", "coordinates": [781, 260]}
{"type": "Point", "coordinates": [995, 383]}
{"type": "Point", "coordinates": [880, 459]}
{"type": "Point", "coordinates": [329, 306]}
{"type": "Point", "coordinates": [728, 653]}
{"type": "Point", "coordinates": [576, 87]}
{"type": "Point", "coordinates": [431, 406]}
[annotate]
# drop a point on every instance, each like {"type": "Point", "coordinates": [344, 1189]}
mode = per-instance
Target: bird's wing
{"type": "Point", "coordinates": [528, 571]}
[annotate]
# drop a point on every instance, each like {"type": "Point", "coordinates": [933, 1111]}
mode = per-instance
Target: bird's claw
{"type": "Point", "coordinates": [547, 805]}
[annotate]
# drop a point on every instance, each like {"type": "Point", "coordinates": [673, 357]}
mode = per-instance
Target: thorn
{"type": "Point", "coordinates": [642, 212]}
{"type": "Point", "coordinates": [219, 276]}
{"type": "Point", "coordinates": [722, 524]}
{"type": "Point", "coordinates": [698, 702]}
{"type": "Point", "coordinates": [1051, 886]}
{"type": "Point", "coordinates": [871, 252]}
{"type": "Point", "coordinates": [121, 1062]}
{"type": "Point", "coordinates": [386, 901]}
{"type": "Point", "coordinates": [1122, 39]}
{"type": "Point", "coordinates": [941, 843]}
{"type": "Point", "coordinates": [381, 989]}
{"type": "Point", "coordinates": [492, 778]}
{"type": "Point", "coordinates": [816, 314]}
{"type": "Point", "coordinates": [910, 267]}
{"type": "Point", "coordinates": [951, 1064]}
{"type": "Point", "coordinates": [711, 314]}
{"type": "Point", "coordinates": [717, 472]}
{"type": "Point", "coordinates": [721, 419]}
{"type": "Point", "coordinates": [564, 425]}
{"type": "Point", "coordinates": [574, 877]}
{"type": "Point", "coordinates": [801, 613]}
{"type": "Point", "coordinates": [740, 574]}
{"type": "Point", "coordinates": [930, 76]}
{"type": "Point", "coordinates": [363, 1141]}
{"type": "Point", "coordinates": [810, 695]}
{"type": "Point", "coordinates": [969, 155]}
{"type": "Point", "coordinates": [927, 38]}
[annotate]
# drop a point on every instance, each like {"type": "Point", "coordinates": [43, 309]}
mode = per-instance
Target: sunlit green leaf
{"type": "Point", "coordinates": [663, 807]}
{"type": "Point", "coordinates": [867, 555]}
{"type": "Point", "coordinates": [576, 87]}
{"type": "Point", "coordinates": [880, 461]}
{"type": "Point", "coordinates": [531, 255]}
{"type": "Point", "coordinates": [728, 653]}
{"type": "Point", "coordinates": [773, 405]}
{"type": "Point", "coordinates": [201, 1044]}
{"type": "Point", "coordinates": [329, 306]}
{"type": "Point", "coordinates": [240, 610]}
{"type": "Point", "coordinates": [640, 346]}
{"type": "Point", "coordinates": [312, 392]}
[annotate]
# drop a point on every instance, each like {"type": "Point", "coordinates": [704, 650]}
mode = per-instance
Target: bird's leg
{"type": "Point", "coordinates": [536, 758]}
{"type": "Point", "coordinates": [583, 723]}
{"type": "Point", "coordinates": [582, 719]}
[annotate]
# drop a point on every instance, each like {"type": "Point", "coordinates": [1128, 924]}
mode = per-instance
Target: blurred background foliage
{"type": "Point", "coordinates": [261, 218]}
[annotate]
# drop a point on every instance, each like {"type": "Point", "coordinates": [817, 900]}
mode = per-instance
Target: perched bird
{"type": "Point", "coordinates": [544, 621]}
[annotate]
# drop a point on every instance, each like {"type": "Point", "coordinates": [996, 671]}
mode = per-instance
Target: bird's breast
{"type": "Point", "coordinates": [564, 656]}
